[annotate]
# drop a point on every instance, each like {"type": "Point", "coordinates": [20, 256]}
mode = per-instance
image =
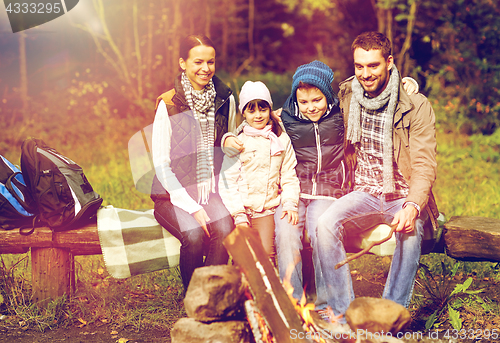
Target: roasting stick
{"type": "Point", "coordinates": [365, 250]}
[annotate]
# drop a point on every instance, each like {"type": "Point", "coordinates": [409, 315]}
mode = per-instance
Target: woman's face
{"type": "Point", "coordinates": [200, 66]}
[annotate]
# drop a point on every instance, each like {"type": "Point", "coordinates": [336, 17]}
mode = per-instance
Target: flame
{"type": "Point", "coordinates": [304, 309]}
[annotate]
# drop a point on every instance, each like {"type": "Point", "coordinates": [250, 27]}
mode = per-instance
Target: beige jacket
{"type": "Point", "coordinates": [414, 140]}
{"type": "Point", "coordinates": [254, 180]}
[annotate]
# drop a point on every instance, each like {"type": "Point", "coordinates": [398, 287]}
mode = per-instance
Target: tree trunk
{"type": "Point", "coordinates": [149, 53]}
{"type": "Point", "coordinates": [384, 19]}
{"type": "Point", "coordinates": [403, 57]}
{"type": "Point", "coordinates": [225, 32]}
{"type": "Point", "coordinates": [23, 71]}
{"type": "Point", "coordinates": [250, 34]}
{"type": "Point", "coordinates": [208, 17]}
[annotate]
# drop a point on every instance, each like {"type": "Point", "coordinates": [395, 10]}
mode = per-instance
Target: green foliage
{"type": "Point", "coordinates": [466, 68]}
{"type": "Point", "coordinates": [454, 316]}
{"type": "Point", "coordinates": [279, 85]}
{"type": "Point", "coordinates": [468, 179]}
{"type": "Point", "coordinates": [439, 283]}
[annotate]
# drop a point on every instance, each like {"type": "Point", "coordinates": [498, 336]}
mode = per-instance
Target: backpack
{"type": "Point", "coordinates": [64, 196]}
{"type": "Point", "coordinates": [17, 207]}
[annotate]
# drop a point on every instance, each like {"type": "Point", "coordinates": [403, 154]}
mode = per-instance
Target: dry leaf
{"type": "Point", "coordinates": [83, 323]}
{"type": "Point", "coordinates": [114, 332]}
{"type": "Point", "coordinates": [100, 271]}
{"type": "Point", "coordinates": [123, 340]}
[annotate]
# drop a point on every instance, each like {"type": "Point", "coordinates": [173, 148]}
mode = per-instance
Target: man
{"type": "Point", "coordinates": [390, 147]}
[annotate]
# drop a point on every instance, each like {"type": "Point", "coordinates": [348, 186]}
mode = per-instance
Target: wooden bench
{"type": "Point", "coordinates": [52, 256]}
{"type": "Point", "coordinates": [52, 253]}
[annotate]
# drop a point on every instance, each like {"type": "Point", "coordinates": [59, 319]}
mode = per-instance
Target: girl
{"type": "Point", "coordinates": [189, 123]}
{"type": "Point", "coordinates": [255, 182]}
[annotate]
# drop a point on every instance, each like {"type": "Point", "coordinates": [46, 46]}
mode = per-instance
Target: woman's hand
{"type": "Point", "coordinates": [410, 85]}
{"type": "Point", "coordinates": [277, 114]}
{"type": "Point", "coordinates": [293, 216]}
{"type": "Point", "coordinates": [233, 143]}
{"type": "Point", "coordinates": [202, 218]}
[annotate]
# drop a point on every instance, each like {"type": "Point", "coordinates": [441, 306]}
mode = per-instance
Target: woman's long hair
{"type": "Point", "coordinates": [191, 41]}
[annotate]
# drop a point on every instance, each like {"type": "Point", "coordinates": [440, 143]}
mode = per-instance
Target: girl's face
{"type": "Point", "coordinates": [257, 116]}
{"type": "Point", "coordinates": [200, 66]}
{"type": "Point", "coordinates": [312, 103]}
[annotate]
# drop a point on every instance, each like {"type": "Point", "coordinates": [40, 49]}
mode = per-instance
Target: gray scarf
{"type": "Point", "coordinates": [202, 103]}
{"type": "Point", "coordinates": [390, 94]}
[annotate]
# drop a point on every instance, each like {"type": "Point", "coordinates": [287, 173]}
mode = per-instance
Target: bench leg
{"type": "Point", "coordinates": [53, 273]}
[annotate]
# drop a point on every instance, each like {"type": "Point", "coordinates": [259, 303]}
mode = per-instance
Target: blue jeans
{"type": "Point", "coordinates": [357, 212]}
{"type": "Point", "coordinates": [194, 242]}
{"type": "Point", "coordinates": [289, 244]}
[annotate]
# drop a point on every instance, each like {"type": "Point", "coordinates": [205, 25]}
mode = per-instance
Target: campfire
{"type": "Point", "coordinates": [248, 303]}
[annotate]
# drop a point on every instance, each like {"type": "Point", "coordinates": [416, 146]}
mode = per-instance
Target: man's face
{"type": "Point", "coordinates": [372, 70]}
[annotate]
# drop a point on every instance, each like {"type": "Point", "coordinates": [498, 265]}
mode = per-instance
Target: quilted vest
{"type": "Point", "coordinates": [320, 171]}
{"type": "Point", "coordinates": [185, 135]}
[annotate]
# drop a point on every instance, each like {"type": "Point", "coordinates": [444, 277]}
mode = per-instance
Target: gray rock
{"type": "Point", "coordinates": [377, 316]}
{"type": "Point", "coordinates": [189, 330]}
{"type": "Point", "coordinates": [214, 293]}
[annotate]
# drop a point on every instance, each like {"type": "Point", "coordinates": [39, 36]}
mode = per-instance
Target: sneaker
{"type": "Point", "coordinates": [324, 314]}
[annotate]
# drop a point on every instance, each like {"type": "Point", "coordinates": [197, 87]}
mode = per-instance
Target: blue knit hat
{"type": "Point", "coordinates": [317, 74]}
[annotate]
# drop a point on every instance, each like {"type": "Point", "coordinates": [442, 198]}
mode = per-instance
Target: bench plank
{"type": "Point", "coordinates": [473, 238]}
{"type": "Point", "coordinates": [80, 241]}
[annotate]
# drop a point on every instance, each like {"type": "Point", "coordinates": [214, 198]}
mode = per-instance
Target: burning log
{"type": "Point", "coordinates": [268, 293]}
{"type": "Point", "coordinates": [270, 300]}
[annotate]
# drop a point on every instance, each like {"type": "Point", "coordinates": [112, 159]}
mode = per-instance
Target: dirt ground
{"type": "Point", "coordinates": [367, 285]}
{"type": "Point", "coordinates": [364, 284]}
{"type": "Point", "coordinates": [94, 334]}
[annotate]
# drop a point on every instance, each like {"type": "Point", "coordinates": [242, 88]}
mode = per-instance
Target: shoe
{"type": "Point", "coordinates": [324, 314]}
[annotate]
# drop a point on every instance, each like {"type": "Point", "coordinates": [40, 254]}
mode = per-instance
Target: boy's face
{"type": "Point", "coordinates": [312, 103]}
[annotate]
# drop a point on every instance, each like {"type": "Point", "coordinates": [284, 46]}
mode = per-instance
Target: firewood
{"type": "Point", "coordinates": [268, 293]}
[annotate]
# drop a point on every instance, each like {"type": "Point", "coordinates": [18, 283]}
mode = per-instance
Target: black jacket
{"type": "Point", "coordinates": [186, 132]}
{"type": "Point", "coordinates": [319, 150]}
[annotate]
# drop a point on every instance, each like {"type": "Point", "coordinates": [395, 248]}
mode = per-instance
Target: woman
{"type": "Point", "coordinates": [190, 120]}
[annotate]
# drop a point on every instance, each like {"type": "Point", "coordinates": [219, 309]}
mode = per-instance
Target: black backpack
{"type": "Point", "coordinates": [17, 207]}
{"type": "Point", "coordinates": [64, 197]}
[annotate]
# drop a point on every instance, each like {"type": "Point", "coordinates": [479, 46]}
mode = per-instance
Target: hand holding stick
{"type": "Point", "coordinates": [365, 250]}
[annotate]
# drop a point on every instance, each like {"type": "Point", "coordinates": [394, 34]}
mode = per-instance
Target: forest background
{"type": "Point", "coordinates": [87, 82]}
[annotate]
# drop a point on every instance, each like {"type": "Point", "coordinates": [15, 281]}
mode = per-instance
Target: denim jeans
{"type": "Point", "coordinates": [194, 241]}
{"type": "Point", "coordinates": [357, 212]}
{"type": "Point", "coordinates": [289, 244]}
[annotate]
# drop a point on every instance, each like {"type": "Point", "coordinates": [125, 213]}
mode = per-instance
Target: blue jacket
{"type": "Point", "coordinates": [319, 150]}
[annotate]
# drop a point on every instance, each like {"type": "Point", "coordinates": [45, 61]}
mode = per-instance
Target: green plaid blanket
{"type": "Point", "coordinates": [133, 242]}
